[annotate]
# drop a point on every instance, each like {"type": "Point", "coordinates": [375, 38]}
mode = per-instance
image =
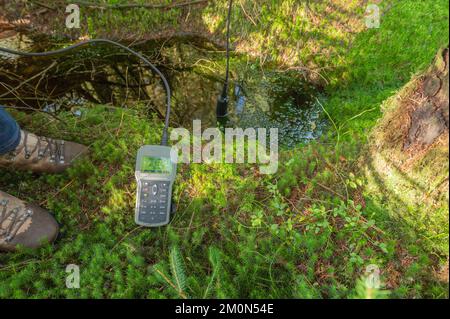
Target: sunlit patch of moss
{"type": "Point", "coordinates": [413, 186]}
{"type": "Point", "coordinates": [306, 232]}
{"type": "Point", "coordinates": [252, 225]}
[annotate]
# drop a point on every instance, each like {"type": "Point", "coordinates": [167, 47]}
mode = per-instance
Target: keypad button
{"type": "Point", "coordinates": [155, 190]}
{"type": "Point", "coordinates": [153, 203]}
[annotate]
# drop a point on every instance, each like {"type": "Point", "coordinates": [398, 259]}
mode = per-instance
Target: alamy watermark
{"type": "Point", "coordinates": [372, 17]}
{"type": "Point", "coordinates": [73, 17]}
{"type": "Point", "coordinates": [73, 277]}
{"type": "Point", "coordinates": [372, 277]}
{"type": "Point", "coordinates": [235, 145]}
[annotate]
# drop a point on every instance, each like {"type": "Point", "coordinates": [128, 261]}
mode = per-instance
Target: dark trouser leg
{"type": "Point", "coordinates": [9, 132]}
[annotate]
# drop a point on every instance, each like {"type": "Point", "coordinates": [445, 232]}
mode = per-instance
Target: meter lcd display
{"type": "Point", "coordinates": [157, 165]}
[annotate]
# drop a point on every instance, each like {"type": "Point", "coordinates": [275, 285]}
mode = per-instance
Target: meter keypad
{"type": "Point", "coordinates": [153, 206]}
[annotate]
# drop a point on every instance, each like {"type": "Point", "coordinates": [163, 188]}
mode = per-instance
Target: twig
{"type": "Point", "coordinates": [332, 121]}
{"type": "Point", "coordinates": [137, 5]}
{"type": "Point", "coordinates": [28, 80]}
{"type": "Point", "coordinates": [40, 4]}
{"type": "Point", "coordinates": [126, 235]}
{"type": "Point", "coordinates": [20, 264]}
{"type": "Point", "coordinates": [33, 109]}
{"type": "Point", "coordinates": [358, 115]}
{"type": "Point", "coordinates": [330, 190]}
{"type": "Point", "coordinates": [180, 292]}
{"type": "Point", "coordinates": [246, 14]}
{"type": "Point", "coordinates": [303, 68]}
{"type": "Point", "coordinates": [340, 177]}
{"type": "Point", "coordinates": [120, 125]}
{"type": "Point", "coordinates": [58, 192]}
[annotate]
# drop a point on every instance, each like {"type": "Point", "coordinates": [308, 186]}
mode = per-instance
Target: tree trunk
{"type": "Point", "coordinates": [407, 163]}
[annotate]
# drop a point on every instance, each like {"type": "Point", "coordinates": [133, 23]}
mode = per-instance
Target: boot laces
{"type": "Point", "coordinates": [17, 217]}
{"type": "Point", "coordinates": [43, 146]}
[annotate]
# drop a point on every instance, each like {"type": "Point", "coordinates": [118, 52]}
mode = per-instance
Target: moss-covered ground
{"type": "Point", "coordinates": [309, 231]}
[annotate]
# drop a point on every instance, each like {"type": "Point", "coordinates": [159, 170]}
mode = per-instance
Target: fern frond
{"type": "Point", "coordinates": [215, 260]}
{"type": "Point", "coordinates": [178, 271]}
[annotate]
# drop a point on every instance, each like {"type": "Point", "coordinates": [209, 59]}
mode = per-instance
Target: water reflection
{"type": "Point", "coordinates": [257, 99]}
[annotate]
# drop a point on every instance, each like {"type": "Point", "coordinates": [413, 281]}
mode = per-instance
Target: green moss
{"type": "Point", "coordinates": [265, 236]}
{"type": "Point", "coordinates": [307, 232]}
{"type": "Point", "coordinates": [381, 61]}
{"type": "Point", "coordinates": [413, 190]}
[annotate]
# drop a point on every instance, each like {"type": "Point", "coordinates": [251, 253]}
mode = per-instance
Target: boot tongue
{"type": "Point", "coordinates": [31, 146]}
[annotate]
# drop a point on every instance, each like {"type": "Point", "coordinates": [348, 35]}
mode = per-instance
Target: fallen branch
{"type": "Point", "coordinates": [40, 4]}
{"type": "Point", "coordinates": [28, 80]}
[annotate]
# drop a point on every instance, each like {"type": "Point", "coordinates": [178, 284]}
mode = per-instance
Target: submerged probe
{"type": "Point", "coordinates": [222, 102]}
{"type": "Point", "coordinates": [165, 135]}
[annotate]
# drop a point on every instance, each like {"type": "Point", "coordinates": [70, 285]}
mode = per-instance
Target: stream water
{"type": "Point", "coordinates": [260, 97]}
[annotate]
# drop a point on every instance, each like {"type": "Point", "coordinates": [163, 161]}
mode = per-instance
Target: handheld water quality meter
{"type": "Point", "coordinates": [155, 164]}
{"type": "Point", "coordinates": [155, 174]}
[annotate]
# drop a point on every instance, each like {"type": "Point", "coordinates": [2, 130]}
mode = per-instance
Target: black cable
{"type": "Point", "coordinates": [230, 7]}
{"type": "Point", "coordinates": [164, 140]}
{"type": "Point", "coordinates": [222, 102]}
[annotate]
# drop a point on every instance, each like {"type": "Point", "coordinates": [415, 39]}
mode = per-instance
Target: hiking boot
{"type": "Point", "coordinates": [23, 224]}
{"type": "Point", "coordinates": [42, 155]}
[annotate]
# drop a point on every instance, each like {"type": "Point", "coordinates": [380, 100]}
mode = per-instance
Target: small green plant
{"type": "Point", "coordinates": [306, 232]}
